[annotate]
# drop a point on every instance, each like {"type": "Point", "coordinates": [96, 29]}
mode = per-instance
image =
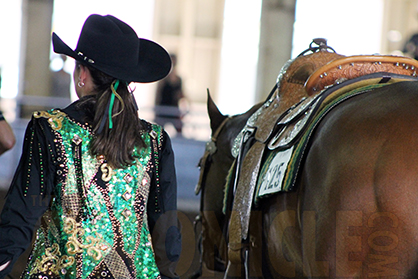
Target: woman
{"type": "Point", "coordinates": [102, 179]}
{"type": "Point", "coordinates": [167, 99]}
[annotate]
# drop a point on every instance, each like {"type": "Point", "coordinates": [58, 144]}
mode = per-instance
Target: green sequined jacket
{"type": "Point", "coordinates": [96, 222]}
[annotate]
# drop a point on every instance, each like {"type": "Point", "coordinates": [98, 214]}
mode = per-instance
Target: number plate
{"type": "Point", "coordinates": [271, 178]}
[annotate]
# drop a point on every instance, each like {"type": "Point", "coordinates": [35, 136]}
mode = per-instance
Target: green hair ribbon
{"type": "Point", "coordinates": [114, 86]}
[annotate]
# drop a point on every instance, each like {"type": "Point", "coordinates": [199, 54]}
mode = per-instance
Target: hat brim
{"type": "Point", "coordinates": [154, 62]}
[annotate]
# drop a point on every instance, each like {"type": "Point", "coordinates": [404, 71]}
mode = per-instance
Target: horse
{"type": "Point", "coordinates": [349, 210]}
{"type": "Point", "coordinates": [213, 171]}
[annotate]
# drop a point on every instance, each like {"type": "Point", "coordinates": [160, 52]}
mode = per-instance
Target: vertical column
{"type": "Point", "coordinates": [399, 24]}
{"type": "Point", "coordinates": [276, 33]}
{"type": "Point", "coordinates": [35, 49]}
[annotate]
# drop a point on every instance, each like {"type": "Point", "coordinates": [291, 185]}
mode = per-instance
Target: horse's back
{"type": "Point", "coordinates": [360, 187]}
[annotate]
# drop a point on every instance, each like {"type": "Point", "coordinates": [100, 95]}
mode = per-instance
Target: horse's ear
{"type": "Point", "coordinates": [215, 116]}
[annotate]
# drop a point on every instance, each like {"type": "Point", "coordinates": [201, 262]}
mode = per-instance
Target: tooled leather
{"type": "Point", "coordinates": [267, 120]}
{"type": "Point", "coordinates": [291, 90]}
{"type": "Point", "coordinates": [355, 66]}
{"type": "Point", "coordinates": [240, 215]}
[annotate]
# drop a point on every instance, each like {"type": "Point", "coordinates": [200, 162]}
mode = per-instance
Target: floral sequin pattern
{"type": "Point", "coordinates": [52, 263]}
{"type": "Point", "coordinates": [55, 118]}
{"type": "Point", "coordinates": [93, 245]}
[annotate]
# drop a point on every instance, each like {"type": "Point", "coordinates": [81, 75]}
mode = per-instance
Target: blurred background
{"type": "Point", "coordinates": [234, 48]}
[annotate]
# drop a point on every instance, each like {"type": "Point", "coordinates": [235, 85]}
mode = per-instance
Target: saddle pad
{"type": "Point", "coordinates": [281, 167]}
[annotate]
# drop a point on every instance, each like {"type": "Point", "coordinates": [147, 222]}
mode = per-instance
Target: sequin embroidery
{"type": "Point", "coordinates": [114, 235]}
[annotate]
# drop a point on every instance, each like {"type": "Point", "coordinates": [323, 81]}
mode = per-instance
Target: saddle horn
{"type": "Point", "coordinates": [321, 46]}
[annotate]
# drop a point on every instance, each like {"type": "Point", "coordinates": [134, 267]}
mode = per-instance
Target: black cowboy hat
{"type": "Point", "coordinates": [111, 46]}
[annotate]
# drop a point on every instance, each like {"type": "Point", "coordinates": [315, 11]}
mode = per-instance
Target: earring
{"type": "Point", "coordinates": [80, 84]}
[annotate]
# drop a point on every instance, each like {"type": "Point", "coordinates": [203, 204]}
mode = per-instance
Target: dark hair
{"type": "Point", "coordinates": [116, 144]}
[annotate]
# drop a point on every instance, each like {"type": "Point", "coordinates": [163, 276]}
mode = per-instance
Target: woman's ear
{"type": "Point", "coordinates": [85, 85]}
{"type": "Point", "coordinates": [84, 73]}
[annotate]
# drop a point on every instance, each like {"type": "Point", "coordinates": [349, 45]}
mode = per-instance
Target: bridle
{"type": "Point", "coordinates": [203, 165]}
{"type": "Point", "coordinates": [210, 149]}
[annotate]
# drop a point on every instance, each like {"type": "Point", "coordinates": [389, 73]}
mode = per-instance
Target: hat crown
{"type": "Point", "coordinates": [107, 40]}
{"type": "Point", "coordinates": [112, 46]}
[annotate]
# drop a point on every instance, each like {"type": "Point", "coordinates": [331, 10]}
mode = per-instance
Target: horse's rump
{"type": "Point", "coordinates": [360, 185]}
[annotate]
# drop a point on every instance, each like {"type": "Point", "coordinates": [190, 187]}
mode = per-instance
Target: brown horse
{"type": "Point", "coordinates": [214, 166]}
{"type": "Point", "coordinates": [351, 210]}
